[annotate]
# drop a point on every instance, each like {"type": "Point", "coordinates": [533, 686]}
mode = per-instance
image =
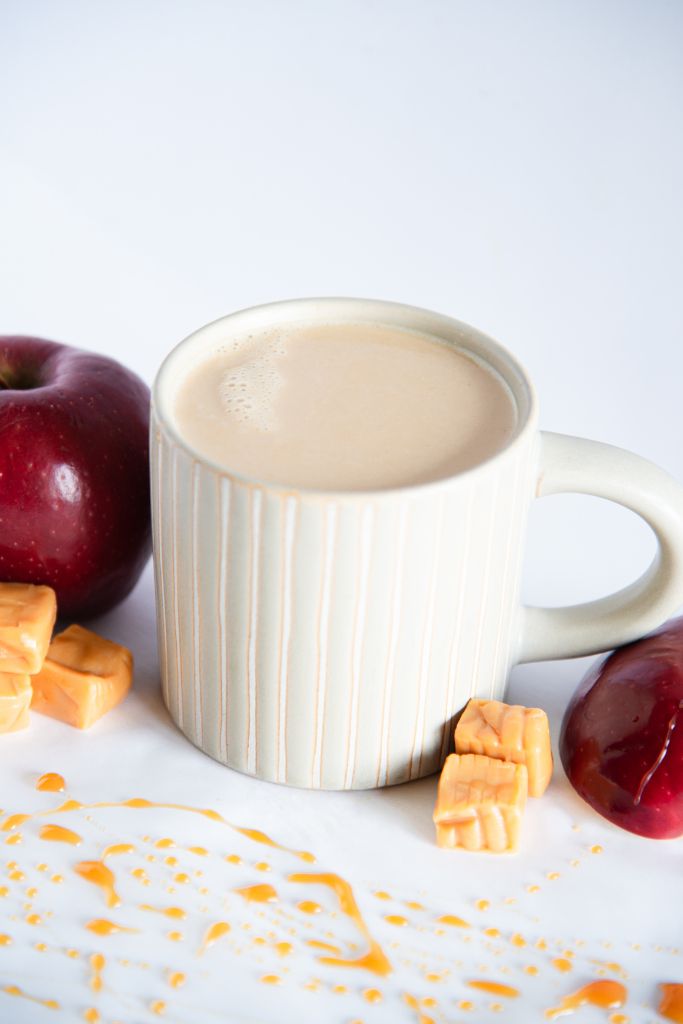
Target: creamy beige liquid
{"type": "Point", "coordinates": [343, 407]}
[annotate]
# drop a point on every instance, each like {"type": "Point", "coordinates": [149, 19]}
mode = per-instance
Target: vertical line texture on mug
{"type": "Point", "coordinates": [453, 654]}
{"type": "Point", "coordinates": [357, 641]}
{"type": "Point", "coordinates": [427, 644]}
{"type": "Point", "coordinates": [511, 533]}
{"type": "Point", "coordinates": [482, 618]}
{"type": "Point", "coordinates": [197, 684]}
{"type": "Point", "coordinates": [255, 498]}
{"type": "Point", "coordinates": [394, 632]}
{"type": "Point", "coordinates": [290, 506]}
{"type": "Point", "coordinates": [159, 566]}
{"type": "Point", "coordinates": [223, 505]}
{"type": "Point", "coordinates": [323, 634]}
{"type": "Point", "coordinates": [176, 613]}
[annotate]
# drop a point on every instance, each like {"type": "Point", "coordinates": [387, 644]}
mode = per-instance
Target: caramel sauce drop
{"type": "Point", "coordinates": [309, 907]}
{"type": "Point", "coordinates": [97, 962]}
{"type": "Point", "coordinates": [14, 821]}
{"type": "Point", "coordinates": [5, 940]}
{"type": "Point", "coordinates": [396, 919]}
{"type": "Point", "coordinates": [91, 1015]}
{"type": "Point", "coordinates": [494, 988]}
{"type": "Point", "coordinates": [57, 834]}
{"type": "Point", "coordinates": [14, 990]}
{"type": "Point", "coordinates": [560, 963]}
{"type": "Point", "coordinates": [176, 979]}
{"type": "Point", "coordinates": [199, 851]}
{"type": "Point", "coordinates": [326, 946]}
{"type": "Point", "coordinates": [51, 782]}
{"type": "Point", "coordinates": [671, 1005]}
{"type": "Point", "coordinates": [271, 979]}
{"type": "Point", "coordinates": [453, 921]}
{"type": "Point", "coordinates": [117, 850]}
{"type": "Point", "coordinates": [372, 995]}
{"type": "Point", "coordinates": [258, 894]}
{"type": "Point", "coordinates": [97, 873]}
{"type": "Point", "coordinates": [175, 912]}
{"type": "Point", "coordinates": [158, 1007]}
{"type": "Point", "coordinates": [14, 839]}
{"type": "Point", "coordinates": [283, 948]}
{"type": "Point", "coordinates": [608, 995]}
{"type": "Point", "coordinates": [213, 934]}
{"type": "Point", "coordinates": [412, 1002]}
{"type": "Point", "coordinates": [100, 926]}
{"type": "Point", "coordinates": [374, 960]}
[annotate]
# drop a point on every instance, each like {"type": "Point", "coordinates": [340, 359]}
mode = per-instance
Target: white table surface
{"type": "Point", "coordinates": [517, 165]}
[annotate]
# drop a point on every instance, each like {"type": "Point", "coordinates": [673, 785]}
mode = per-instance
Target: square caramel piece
{"type": "Point", "coordinates": [27, 617]}
{"type": "Point", "coordinates": [509, 732]}
{"type": "Point", "coordinates": [83, 677]}
{"type": "Point", "coordinates": [480, 803]}
{"type": "Point", "coordinates": [15, 699]}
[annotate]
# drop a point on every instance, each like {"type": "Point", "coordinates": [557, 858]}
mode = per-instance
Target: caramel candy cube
{"type": "Point", "coordinates": [27, 616]}
{"type": "Point", "coordinates": [15, 698]}
{"type": "Point", "coordinates": [480, 803]}
{"type": "Point", "coordinates": [82, 678]}
{"type": "Point", "coordinates": [509, 732]}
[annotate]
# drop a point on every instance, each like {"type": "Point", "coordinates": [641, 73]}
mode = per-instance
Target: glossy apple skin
{"type": "Point", "coordinates": [621, 741]}
{"type": "Point", "coordinates": [74, 473]}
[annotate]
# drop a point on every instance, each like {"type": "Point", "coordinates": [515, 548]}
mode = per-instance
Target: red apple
{"type": "Point", "coordinates": [74, 473]}
{"type": "Point", "coordinates": [621, 741]}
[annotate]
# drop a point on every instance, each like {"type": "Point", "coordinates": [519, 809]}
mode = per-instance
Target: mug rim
{"type": "Point", "coordinates": [444, 328]}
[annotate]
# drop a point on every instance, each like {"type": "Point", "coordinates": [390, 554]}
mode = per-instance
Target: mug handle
{"type": "Point", "coordinates": [576, 465]}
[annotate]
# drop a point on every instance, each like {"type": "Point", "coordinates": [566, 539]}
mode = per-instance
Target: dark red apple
{"type": "Point", "coordinates": [74, 473]}
{"type": "Point", "coordinates": [621, 741]}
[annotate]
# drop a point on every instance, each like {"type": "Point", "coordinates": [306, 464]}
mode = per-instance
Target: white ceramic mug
{"type": "Point", "coordinates": [328, 639]}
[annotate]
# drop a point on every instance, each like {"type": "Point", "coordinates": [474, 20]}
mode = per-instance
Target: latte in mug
{"type": "Point", "coordinates": [344, 407]}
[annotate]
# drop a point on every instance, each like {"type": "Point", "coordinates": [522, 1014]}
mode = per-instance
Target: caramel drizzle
{"type": "Point", "coordinates": [257, 893]}
{"type": "Point", "coordinates": [608, 995]}
{"type": "Point", "coordinates": [374, 960]}
{"type": "Point", "coordinates": [213, 934]}
{"type": "Point", "coordinates": [139, 803]}
{"type": "Point", "coordinates": [101, 926]}
{"type": "Point", "coordinates": [51, 782]}
{"type": "Point", "coordinates": [495, 988]}
{"type": "Point", "coordinates": [14, 990]}
{"type": "Point", "coordinates": [97, 873]}
{"type": "Point", "coordinates": [57, 834]}
{"type": "Point", "coordinates": [647, 777]}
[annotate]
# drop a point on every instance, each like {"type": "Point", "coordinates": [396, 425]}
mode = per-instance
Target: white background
{"type": "Point", "coordinates": [516, 165]}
